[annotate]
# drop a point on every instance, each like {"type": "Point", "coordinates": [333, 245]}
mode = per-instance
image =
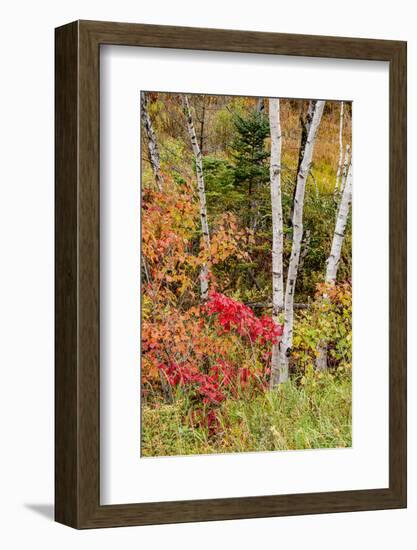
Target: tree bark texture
{"type": "Point", "coordinates": [305, 128]}
{"type": "Point", "coordinates": [153, 151]}
{"type": "Point", "coordinates": [339, 164]}
{"type": "Point", "coordinates": [339, 231]}
{"type": "Point", "coordinates": [201, 194]}
{"type": "Point", "coordinates": [303, 172]}
{"type": "Point", "coordinates": [345, 169]}
{"type": "Point", "coordinates": [277, 227]}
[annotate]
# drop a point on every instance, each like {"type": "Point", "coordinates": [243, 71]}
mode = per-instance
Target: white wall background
{"type": "Point", "coordinates": [26, 273]}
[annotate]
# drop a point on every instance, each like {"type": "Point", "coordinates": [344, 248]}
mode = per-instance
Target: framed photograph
{"type": "Point", "coordinates": [230, 274]}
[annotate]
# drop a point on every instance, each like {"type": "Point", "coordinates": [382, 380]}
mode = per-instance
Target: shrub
{"type": "Point", "coordinates": [328, 319]}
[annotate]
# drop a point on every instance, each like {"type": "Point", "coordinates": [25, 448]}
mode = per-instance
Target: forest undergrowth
{"type": "Point", "coordinates": [214, 378]}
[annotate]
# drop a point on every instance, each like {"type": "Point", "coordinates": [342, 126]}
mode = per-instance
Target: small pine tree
{"type": "Point", "coordinates": [251, 162]}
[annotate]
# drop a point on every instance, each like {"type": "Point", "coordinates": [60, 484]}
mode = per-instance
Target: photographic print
{"type": "Point", "coordinates": [246, 274]}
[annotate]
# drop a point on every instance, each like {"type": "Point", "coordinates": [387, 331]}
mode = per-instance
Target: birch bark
{"type": "Point", "coordinates": [277, 227]}
{"type": "Point", "coordinates": [152, 143]}
{"type": "Point", "coordinates": [334, 258]}
{"type": "Point", "coordinates": [305, 128]}
{"type": "Point", "coordinates": [201, 195]}
{"type": "Point", "coordinates": [345, 169]}
{"type": "Point", "coordinates": [339, 164]}
{"type": "Point", "coordinates": [339, 231]}
{"type": "Point", "coordinates": [286, 341]}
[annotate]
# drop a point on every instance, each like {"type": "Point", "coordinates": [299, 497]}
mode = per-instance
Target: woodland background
{"type": "Point", "coordinates": [217, 327]}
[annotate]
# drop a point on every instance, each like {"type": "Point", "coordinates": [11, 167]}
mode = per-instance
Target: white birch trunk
{"type": "Point", "coordinates": [201, 194]}
{"type": "Point", "coordinates": [152, 143]}
{"type": "Point", "coordinates": [305, 128]}
{"type": "Point", "coordinates": [286, 341]}
{"type": "Point", "coordinates": [339, 164]}
{"type": "Point", "coordinates": [334, 258]}
{"type": "Point", "coordinates": [277, 227]}
{"type": "Point", "coordinates": [339, 231]}
{"type": "Point", "coordinates": [345, 169]}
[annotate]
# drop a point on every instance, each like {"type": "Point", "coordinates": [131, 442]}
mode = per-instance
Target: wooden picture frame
{"type": "Point", "coordinates": [77, 382]}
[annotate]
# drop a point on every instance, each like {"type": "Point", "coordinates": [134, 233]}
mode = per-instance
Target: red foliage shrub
{"type": "Point", "coordinates": [205, 353]}
{"type": "Point", "coordinates": [235, 315]}
{"type": "Point", "coordinates": [224, 379]}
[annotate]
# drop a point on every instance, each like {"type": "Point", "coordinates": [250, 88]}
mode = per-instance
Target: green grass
{"type": "Point", "coordinates": [312, 413]}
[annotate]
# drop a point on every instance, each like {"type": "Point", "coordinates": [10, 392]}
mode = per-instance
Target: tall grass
{"type": "Point", "coordinates": [307, 413]}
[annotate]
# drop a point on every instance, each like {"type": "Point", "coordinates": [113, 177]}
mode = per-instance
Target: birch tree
{"type": "Point", "coordinates": [345, 168]}
{"type": "Point", "coordinates": [277, 227]}
{"type": "Point", "coordinates": [339, 231]}
{"type": "Point", "coordinates": [201, 195]}
{"type": "Point", "coordinates": [153, 151]}
{"type": "Point", "coordinates": [201, 105]}
{"type": "Point", "coordinates": [297, 222]}
{"type": "Point", "coordinates": [334, 257]}
{"type": "Point", "coordinates": [339, 164]}
{"type": "Point", "coordinates": [305, 128]}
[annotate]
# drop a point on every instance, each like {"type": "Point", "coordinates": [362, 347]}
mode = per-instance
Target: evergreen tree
{"type": "Point", "coordinates": [251, 162]}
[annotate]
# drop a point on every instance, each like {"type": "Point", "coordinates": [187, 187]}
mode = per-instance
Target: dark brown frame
{"type": "Point", "coordinates": [77, 274]}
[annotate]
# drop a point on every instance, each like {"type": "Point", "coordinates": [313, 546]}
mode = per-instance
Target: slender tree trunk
{"type": "Point", "coordinates": [202, 121]}
{"type": "Point", "coordinates": [339, 164]}
{"type": "Point", "coordinates": [286, 341]}
{"type": "Point", "coordinates": [339, 231]}
{"type": "Point", "coordinates": [201, 194]}
{"type": "Point", "coordinates": [277, 228]}
{"type": "Point", "coordinates": [345, 169]}
{"type": "Point", "coordinates": [152, 143]}
{"type": "Point", "coordinates": [260, 105]}
{"type": "Point", "coordinates": [305, 128]}
{"type": "Point", "coordinates": [254, 192]}
{"type": "Point", "coordinates": [334, 258]}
